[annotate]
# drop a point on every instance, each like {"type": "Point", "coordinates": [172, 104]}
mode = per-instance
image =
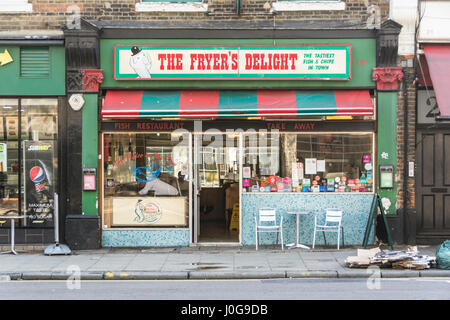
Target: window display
{"type": "Point", "coordinates": [9, 154]}
{"type": "Point", "coordinates": [146, 180]}
{"type": "Point", "coordinates": [319, 162]}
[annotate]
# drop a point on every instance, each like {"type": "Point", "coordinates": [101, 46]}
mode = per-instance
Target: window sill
{"type": "Point", "coordinates": [308, 6]}
{"type": "Point", "coordinates": [14, 7]}
{"type": "Point", "coordinates": [171, 7]}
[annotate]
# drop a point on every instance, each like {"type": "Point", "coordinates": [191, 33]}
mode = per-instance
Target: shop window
{"type": "Point", "coordinates": [28, 159]}
{"type": "Point", "coordinates": [146, 180]}
{"type": "Point", "coordinates": [9, 156]}
{"type": "Point", "coordinates": [320, 162]}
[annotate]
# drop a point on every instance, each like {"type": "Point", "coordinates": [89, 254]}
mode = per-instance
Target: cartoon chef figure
{"type": "Point", "coordinates": [140, 63]}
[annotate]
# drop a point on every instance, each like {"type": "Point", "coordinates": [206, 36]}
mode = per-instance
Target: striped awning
{"type": "Point", "coordinates": [121, 104]}
{"type": "Point", "coordinates": [438, 59]}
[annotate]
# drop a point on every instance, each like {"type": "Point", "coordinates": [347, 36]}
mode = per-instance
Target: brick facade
{"type": "Point", "coordinates": [407, 96]}
{"type": "Point", "coordinates": [52, 14]}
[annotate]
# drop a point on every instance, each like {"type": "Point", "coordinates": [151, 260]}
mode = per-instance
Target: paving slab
{"type": "Point", "coordinates": [197, 263]}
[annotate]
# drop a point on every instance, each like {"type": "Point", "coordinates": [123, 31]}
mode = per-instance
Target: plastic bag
{"type": "Point", "coordinates": [443, 255]}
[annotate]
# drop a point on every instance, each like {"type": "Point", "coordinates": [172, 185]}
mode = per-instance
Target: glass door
{"type": "Point", "coordinates": [216, 187]}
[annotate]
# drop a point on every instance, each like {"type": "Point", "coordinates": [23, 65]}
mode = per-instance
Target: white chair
{"type": "Point", "coordinates": [266, 221]}
{"type": "Point", "coordinates": [333, 219]}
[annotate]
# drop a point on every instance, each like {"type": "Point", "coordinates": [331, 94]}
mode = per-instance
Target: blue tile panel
{"type": "Point", "coordinates": [356, 209]}
{"type": "Point", "coordinates": [145, 238]}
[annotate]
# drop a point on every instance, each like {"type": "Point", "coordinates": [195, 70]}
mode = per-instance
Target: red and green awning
{"type": "Point", "coordinates": [121, 104]}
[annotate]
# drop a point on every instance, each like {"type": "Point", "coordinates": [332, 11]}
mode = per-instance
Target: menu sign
{"type": "Point", "coordinates": [226, 62]}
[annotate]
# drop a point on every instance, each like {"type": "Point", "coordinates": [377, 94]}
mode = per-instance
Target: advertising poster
{"type": "Point", "coordinates": [297, 172]}
{"type": "Point", "coordinates": [39, 182]}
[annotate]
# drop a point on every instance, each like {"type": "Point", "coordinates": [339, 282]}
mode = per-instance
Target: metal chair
{"type": "Point", "coordinates": [333, 219]}
{"type": "Point", "coordinates": [266, 221]}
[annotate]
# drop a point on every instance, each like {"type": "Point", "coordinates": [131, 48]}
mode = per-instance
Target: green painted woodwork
{"type": "Point", "coordinates": [89, 158]}
{"type": "Point", "coordinates": [39, 73]}
{"type": "Point", "coordinates": [35, 62]}
{"type": "Point", "coordinates": [362, 57]}
{"type": "Point", "coordinates": [387, 142]}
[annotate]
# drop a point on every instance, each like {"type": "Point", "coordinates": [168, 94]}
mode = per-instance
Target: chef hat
{"type": "Point", "coordinates": [135, 50]}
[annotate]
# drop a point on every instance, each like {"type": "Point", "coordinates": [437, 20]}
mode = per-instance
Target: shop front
{"type": "Point", "coordinates": [182, 179]}
{"type": "Point", "coordinates": [31, 96]}
{"type": "Point", "coordinates": [204, 133]}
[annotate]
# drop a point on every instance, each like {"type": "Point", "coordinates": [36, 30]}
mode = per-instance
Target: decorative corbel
{"type": "Point", "coordinates": [91, 79]}
{"type": "Point", "coordinates": [387, 78]}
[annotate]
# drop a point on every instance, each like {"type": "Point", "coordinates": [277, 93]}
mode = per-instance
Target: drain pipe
{"type": "Point", "coordinates": [405, 142]}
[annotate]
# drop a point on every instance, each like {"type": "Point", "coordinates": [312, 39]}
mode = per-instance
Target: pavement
{"type": "Point", "coordinates": [200, 262]}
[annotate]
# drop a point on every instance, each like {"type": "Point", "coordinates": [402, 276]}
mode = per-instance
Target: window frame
{"type": "Point", "coordinates": [171, 6]}
{"type": "Point", "coordinates": [146, 227]}
{"type": "Point", "coordinates": [15, 6]}
{"type": "Point", "coordinates": [308, 5]}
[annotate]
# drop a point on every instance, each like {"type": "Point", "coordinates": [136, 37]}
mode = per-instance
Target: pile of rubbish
{"type": "Point", "coordinates": [396, 259]}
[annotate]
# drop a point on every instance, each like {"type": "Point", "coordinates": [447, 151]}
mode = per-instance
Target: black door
{"type": "Point", "coordinates": [433, 185]}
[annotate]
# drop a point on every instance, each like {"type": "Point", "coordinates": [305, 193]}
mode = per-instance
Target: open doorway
{"type": "Point", "coordinates": [217, 170]}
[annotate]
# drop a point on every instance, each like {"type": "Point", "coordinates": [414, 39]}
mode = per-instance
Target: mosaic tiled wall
{"type": "Point", "coordinates": [145, 238]}
{"type": "Point", "coordinates": [356, 209]}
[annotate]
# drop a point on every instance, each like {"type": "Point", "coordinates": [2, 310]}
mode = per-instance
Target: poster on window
{"type": "Point", "coordinates": [297, 172]}
{"type": "Point", "coordinates": [12, 128]}
{"type": "Point", "coordinates": [310, 166]}
{"type": "Point", "coordinates": [38, 176]}
{"type": "Point", "coordinates": [320, 165]}
{"type": "Point", "coordinates": [3, 157]}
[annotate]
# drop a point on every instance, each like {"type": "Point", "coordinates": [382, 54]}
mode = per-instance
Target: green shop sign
{"type": "Point", "coordinates": [231, 62]}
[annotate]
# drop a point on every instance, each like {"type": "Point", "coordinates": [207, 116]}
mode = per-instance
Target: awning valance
{"type": "Point", "coordinates": [121, 104]}
{"type": "Point", "coordinates": [438, 60]}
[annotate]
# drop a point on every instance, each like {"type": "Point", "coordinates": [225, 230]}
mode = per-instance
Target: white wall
{"type": "Point", "coordinates": [435, 23]}
{"type": "Point", "coordinates": [405, 13]}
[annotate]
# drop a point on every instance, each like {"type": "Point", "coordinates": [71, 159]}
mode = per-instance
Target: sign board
{"type": "Point", "coordinates": [427, 107]}
{"type": "Point", "coordinates": [386, 176]}
{"type": "Point", "coordinates": [150, 211]}
{"type": "Point", "coordinates": [89, 179]}
{"type": "Point", "coordinates": [230, 62]}
{"type": "Point", "coordinates": [39, 182]}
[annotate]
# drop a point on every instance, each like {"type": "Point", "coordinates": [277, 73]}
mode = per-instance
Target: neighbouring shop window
{"type": "Point", "coordinates": [9, 156]}
{"type": "Point", "coordinates": [28, 159]}
{"type": "Point", "coordinates": [146, 180]}
{"type": "Point", "coordinates": [320, 162]}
